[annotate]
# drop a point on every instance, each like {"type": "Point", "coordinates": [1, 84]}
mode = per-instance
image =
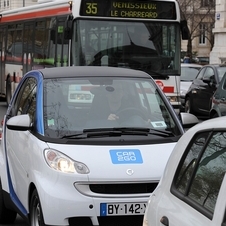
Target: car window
{"type": "Point", "coordinates": [201, 73]}
{"type": "Point", "coordinates": [221, 71]}
{"type": "Point", "coordinates": [202, 170]}
{"type": "Point", "coordinates": [189, 73]}
{"type": "Point", "coordinates": [224, 85]}
{"type": "Point", "coordinates": [209, 73]}
{"type": "Point", "coordinates": [26, 101]}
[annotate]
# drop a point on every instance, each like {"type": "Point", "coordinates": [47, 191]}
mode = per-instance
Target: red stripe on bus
{"type": "Point", "coordinates": [36, 14]}
{"type": "Point", "coordinates": [168, 89]}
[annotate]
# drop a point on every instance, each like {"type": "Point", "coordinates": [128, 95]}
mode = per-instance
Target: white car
{"type": "Point", "coordinates": [73, 154]}
{"type": "Point", "coordinates": [192, 189]}
{"type": "Point", "coordinates": [188, 74]}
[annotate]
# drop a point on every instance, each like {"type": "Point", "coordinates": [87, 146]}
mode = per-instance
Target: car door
{"type": "Point", "coordinates": [17, 142]}
{"type": "Point", "coordinates": [195, 91]}
{"type": "Point", "coordinates": [196, 195]}
{"type": "Point", "coordinates": [205, 91]}
{"type": "Point", "coordinates": [219, 99]}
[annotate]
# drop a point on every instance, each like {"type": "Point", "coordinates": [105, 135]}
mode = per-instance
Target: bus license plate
{"type": "Point", "coordinates": [112, 209]}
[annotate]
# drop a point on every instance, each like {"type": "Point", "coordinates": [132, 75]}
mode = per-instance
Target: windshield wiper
{"type": "Point", "coordinates": [117, 131]}
{"type": "Point", "coordinates": [85, 135]}
{"type": "Point", "coordinates": [145, 131]}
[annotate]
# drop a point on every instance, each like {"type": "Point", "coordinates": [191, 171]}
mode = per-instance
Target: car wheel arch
{"type": "Point", "coordinates": [35, 210]}
{"type": "Point", "coordinates": [214, 113]}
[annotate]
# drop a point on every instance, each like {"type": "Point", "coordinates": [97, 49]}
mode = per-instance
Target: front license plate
{"type": "Point", "coordinates": [112, 209]}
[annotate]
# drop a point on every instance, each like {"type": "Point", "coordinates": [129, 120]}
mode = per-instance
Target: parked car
{"type": "Point", "coordinates": [188, 74]}
{"type": "Point", "coordinates": [218, 106]}
{"type": "Point", "coordinates": [192, 189]}
{"type": "Point", "coordinates": [85, 146]}
{"type": "Point", "coordinates": [200, 93]}
{"type": "Point", "coordinates": [203, 60]}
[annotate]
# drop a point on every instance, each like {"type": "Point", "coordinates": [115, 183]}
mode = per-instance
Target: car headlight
{"type": "Point", "coordinates": [60, 162]}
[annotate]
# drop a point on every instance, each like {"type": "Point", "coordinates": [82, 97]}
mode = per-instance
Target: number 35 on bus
{"type": "Point", "coordinates": [139, 34]}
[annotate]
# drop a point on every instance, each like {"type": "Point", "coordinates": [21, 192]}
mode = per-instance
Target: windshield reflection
{"type": "Point", "coordinates": [73, 105]}
{"type": "Point", "coordinates": [151, 47]}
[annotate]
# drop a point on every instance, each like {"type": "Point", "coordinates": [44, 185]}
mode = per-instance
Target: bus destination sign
{"type": "Point", "coordinates": [129, 9]}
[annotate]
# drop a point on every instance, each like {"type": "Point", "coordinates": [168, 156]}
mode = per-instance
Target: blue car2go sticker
{"type": "Point", "coordinates": [128, 156]}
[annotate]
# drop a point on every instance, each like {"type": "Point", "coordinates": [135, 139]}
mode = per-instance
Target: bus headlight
{"type": "Point", "coordinates": [60, 162]}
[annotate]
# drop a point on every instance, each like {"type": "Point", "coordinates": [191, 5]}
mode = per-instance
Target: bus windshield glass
{"type": "Point", "coordinates": [150, 46]}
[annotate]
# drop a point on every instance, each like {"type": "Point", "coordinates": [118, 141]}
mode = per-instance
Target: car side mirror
{"type": "Point", "coordinates": [19, 123]}
{"type": "Point", "coordinates": [188, 120]}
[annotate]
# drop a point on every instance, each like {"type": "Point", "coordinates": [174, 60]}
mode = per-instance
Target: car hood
{"type": "Point", "coordinates": [125, 163]}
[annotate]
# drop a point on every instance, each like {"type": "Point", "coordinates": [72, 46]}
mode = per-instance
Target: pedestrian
{"type": "Point", "coordinates": [187, 59]}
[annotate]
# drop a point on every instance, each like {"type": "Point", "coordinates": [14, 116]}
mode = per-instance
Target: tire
{"type": "Point", "coordinates": [7, 216]}
{"type": "Point", "coordinates": [8, 91]}
{"type": "Point", "coordinates": [188, 107]}
{"type": "Point", "coordinates": [36, 216]}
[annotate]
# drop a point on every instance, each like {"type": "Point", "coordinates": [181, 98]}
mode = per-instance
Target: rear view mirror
{"type": "Point", "coordinates": [68, 28]}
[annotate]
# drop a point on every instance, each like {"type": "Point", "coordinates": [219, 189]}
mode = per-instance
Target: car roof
{"type": "Point", "coordinates": [215, 123]}
{"type": "Point", "coordinates": [87, 71]}
{"type": "Point", "coordinates": [215, 65]}
{"type": "Point", "coordinates": [190, 65]}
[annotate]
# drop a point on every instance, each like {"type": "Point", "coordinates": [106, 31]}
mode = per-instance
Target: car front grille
{"type": "Point", "coordinates": [130, 188]}
{"type": "Point", "coordinates": [108, 221]}
{"type": "Point", "coordinates": [121, 220]}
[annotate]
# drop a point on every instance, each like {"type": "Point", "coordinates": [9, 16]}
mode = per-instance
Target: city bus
{"type": "Point", "coordinates": [139, 34]}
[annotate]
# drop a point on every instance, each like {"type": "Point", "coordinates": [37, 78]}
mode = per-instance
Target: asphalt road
{"type": "Point", "coordinates": [19, 221]}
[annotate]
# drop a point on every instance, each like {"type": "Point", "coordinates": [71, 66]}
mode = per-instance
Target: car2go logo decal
{"type": "Point", "coordinates": [128, 156]}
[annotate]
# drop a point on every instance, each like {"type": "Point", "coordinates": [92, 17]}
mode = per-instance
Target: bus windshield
{"type": "Point", "coordinates": [150, 46]}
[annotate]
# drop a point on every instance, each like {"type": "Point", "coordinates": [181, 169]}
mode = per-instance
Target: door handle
{"type": "Point", "coordinates": [164, 220]}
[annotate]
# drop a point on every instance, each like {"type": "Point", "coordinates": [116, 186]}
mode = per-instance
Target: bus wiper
{"type": "Point", "coordinates": [117, 131]}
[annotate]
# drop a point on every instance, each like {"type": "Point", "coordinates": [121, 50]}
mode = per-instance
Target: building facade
{"type": "Point", "coordinates": [201, 18]}
{"type": "Point", "coordinates": [13, 4]}
{"type": "Point", "coordinates": [218, 53]}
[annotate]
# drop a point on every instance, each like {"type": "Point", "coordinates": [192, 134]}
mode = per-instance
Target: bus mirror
{"type": "Point", "coordinates": [185, 33]}
{"type": "Point", "coordinates": [67, 33]}
{"type": "Point", "coordinates": [68, 29]}
{"type": "Point", "coordinates": [53, 35]}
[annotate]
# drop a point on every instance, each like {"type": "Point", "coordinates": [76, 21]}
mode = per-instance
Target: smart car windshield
{"type": "Point", "coordinates": [72, 106]}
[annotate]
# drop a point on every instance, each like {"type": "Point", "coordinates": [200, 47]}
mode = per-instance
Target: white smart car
{"type": "Point", "coordinates": [85, 146]}
{"type": "Point", "coordinates": [192, 189]}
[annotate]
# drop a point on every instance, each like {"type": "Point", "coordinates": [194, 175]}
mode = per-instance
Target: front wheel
{"type": "Point", "coordinates": [36, 216]}
{"type": "Point", "coordinates": [7, 216]}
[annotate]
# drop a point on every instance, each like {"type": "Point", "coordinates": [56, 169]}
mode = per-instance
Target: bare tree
{"type": "Point", "coordinates": [200, 16]}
